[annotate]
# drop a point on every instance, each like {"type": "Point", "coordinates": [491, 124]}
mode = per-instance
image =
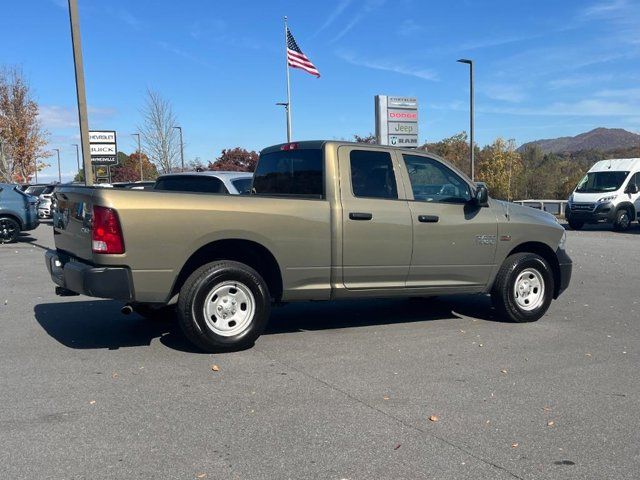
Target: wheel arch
{"type": "Point", "coordinates": [250, 253]}
{"type": "Point", "coordinates": [630, 207]}
{"type": "Point", "coordinates": [546, 252]}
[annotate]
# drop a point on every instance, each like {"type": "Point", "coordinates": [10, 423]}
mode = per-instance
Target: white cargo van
{"type": "Point", "coordinates": [608, 193]}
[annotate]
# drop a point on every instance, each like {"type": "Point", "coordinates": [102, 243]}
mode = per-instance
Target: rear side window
{"type": "Point", "coordinates": [290, 173]}
{"type": "Point", "coordinates": [372, 174]}
{"type": "Point", "coordinates": [191, 183]}
{"type": "Point", "coordinates": [243, 185]}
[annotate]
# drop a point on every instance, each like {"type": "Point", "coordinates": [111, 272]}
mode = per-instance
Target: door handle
{"type": "Point", "coordinates": [360, 216]}
{"type": "Point", "coordinates": [428, 218]}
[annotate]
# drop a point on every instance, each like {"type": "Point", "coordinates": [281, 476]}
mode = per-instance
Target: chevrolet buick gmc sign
{"type": "Point", "coordinates": [103, 147]}
{"type": "Point", "coordinates": [396, 121]}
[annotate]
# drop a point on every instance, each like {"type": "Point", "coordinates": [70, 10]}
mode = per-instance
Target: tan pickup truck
{"type": "Point", "coordinates": [324, 220]}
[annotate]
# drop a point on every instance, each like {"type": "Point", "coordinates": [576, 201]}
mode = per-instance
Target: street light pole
{"type": "Point", "coordinates": [471, 101]}
{"type": "Point", "coordinates": [77, 156]}
{"type": "Point", "coordinates": [181, 149]}
{"type": "Point", "coordinates": [59, 174]}
{"type": "Point", "coordinates": [139, 155]}
{"type": "Point", "coordinates": [80, 90]}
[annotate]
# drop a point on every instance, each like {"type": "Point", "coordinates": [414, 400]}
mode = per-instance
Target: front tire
{"type": "Point", "coordinates": [622, 221]}
{"type": "Point", "coordinates": [9, 230]}
{"type": "Point", "coordinates": [523, 289]}
{"type": "Point", "coordinates": [223, 305]}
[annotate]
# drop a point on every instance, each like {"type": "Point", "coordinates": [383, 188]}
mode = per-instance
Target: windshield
{"type": "Point", "coordinates": [35, 190]}
{"type": "Point", "coordinates": [596, 182]}
{"type": "Point", "coordinates": [243, 185]}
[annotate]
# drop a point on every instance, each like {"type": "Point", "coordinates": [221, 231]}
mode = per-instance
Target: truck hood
{"type": "Point", "coordinates": [521, 213]}
{"type": "Point", "coordinates": [591, 197]}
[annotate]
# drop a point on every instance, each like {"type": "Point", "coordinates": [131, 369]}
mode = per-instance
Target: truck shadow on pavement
{"type": "Point", "coordinates": [98, 324]}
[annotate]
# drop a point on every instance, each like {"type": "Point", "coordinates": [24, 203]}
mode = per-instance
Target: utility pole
{"type": "Point", "coordinates": [59, 173]}
{"type": "Point", "coordinates": [181, 149]}
{"type": "Point", "coordinates": [139, 155]}
{"type": "Point", "coordinates": [470, 63]}
{"type": "Point", "coordinates": [74, 19]}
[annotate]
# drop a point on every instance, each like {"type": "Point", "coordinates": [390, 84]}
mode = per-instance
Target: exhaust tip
{"type": "Point", "coordinates": [126, 310]}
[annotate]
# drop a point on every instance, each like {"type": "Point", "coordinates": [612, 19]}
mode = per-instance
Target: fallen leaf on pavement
{"type": "Point", "coordinates": [503, 371]}
{"type": "Point", "coordinates": [514, 445]}
{"type": "Point", "coordinates": [433, 418]}
{"type": "Point", "coordinates": [396, 447]}
{"type": "Point", "coordinates": [587, 354]}
{"type": "Point", "coordinates": [201, 475]}
{"type": "Point", "coordinates": [92, 402]}
{"type": "Point", "coordinates": [215, 368]}
{"type": "Point", "coordinates": [385, 398]}
{"type": "Point", "coordinates": [114, 375]}
{"type": "Point", "coordinates": [481, 344]}
{"type": "Point", "coordinates": [550, 423]}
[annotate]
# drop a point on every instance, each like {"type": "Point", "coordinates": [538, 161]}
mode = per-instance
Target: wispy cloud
{"type": "Point", "coordinates": [578, 80]}
{"type": "Point", "coordinates": [368, 7]}
{"type": "Point", "coordinates": [333, 16]}
{"type": "Point", "coordinates": [218, 31]}
{"type": "Point", "coordinates": [389, 66]}
{"type": "Point", "coordinates": [58, 117]}
{"type": "Point", "coordinates": [124, 16]}
{"type": "Point", "coordinates": [505, 92]}
{"type": "Point", "coordinates": [626, 93]}
{"type": "Point", "coordinates": [182, 53]}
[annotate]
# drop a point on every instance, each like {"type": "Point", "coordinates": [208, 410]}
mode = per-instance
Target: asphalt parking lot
{"type": "Point", "coordinates": [339, 390]}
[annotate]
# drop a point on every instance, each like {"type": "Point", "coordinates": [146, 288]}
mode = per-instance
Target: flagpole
{"type": "Point", "coordinates": [286, 64]}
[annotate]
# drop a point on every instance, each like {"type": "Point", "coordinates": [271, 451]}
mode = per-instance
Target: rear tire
{"type": "Point", "coordinates": [523, 288]}
{"type": "Point", "coordinates": [9, 230]}
{"type": "Point", "coordinates": [622, 221]}
{"type": "Point", "coordinates": [223, 305]}
{"type": "Point", "coordinates": [576, 225]}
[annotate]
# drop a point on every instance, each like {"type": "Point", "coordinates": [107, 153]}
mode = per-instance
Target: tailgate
{"type": "Point", "coordinates": [72, 221]}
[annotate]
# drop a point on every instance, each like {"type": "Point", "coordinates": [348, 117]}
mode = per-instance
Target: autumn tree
{"type": "Point", "coordinates": [236, 159]}
{"type": "Point", "coordinates": [371, 138]}
{"type": "Point", "coordinates": [23, 138]}
{"type": "Point", "coordinates": [158, 134]}
{"type": "Point", "coordinates": [128, 168]}
{"type": "Point", "coordinates": [454, 149]}
{"type": "Point", "coordinates": [498, 165]}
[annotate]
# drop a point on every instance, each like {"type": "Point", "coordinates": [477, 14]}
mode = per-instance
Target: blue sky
{"type": "Point", "coordinates": [543, 68]}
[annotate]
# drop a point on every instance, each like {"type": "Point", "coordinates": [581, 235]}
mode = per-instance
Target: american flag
{"type": "Point", "coordinates": [297, 59]}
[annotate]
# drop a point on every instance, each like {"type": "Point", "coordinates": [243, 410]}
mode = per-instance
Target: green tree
{"type": "Point", "coordinates": [454, 149]}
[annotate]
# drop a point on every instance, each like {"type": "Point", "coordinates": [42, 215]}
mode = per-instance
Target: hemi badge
{"type": "Point", "coordinates": [505, 238]}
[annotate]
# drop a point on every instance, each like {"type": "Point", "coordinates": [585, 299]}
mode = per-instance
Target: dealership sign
{"type": "Point", "coordinates": [396, 121]}
{"type": "Point", "coordinates": [102, 144]}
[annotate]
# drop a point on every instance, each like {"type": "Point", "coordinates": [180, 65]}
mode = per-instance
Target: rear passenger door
{"type": "Point", "coordinates": [376, 224]}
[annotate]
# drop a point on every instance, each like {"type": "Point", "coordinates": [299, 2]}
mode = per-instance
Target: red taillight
{"type": "Point", "coordinates": [106, 233]}
{"type": "Point", "coordinates": [289, 146]}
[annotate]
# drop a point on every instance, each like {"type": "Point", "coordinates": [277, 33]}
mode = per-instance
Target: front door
{"type": "Point", "coordinates": [376, 224]}
{"type": "Point", "coordinates": [454, 241]}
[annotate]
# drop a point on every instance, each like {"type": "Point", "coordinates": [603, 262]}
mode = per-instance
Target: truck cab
{"type": "Point", "coordinates": [608, 193]}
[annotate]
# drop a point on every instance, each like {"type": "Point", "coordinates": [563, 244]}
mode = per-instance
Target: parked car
{"type": "Point", "coordinates": [324, 220]}
{"type": "Point", "coordinates": [608, 193]}
{"type": "Point", "coordinates": [17, 212]}
{"type": "Point", "coordinates": [208, 181]}
{"type": "Point", "coordinates": [44, 202]}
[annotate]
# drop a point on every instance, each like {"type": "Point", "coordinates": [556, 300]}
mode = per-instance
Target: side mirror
{"type": "Point", "coordinates": [482, 196]}
{"type": "Point", "coordinates": [632, 189]}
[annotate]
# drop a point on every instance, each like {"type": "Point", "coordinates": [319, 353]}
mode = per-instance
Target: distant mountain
{"type": "Point", "coordinates": [602, 139]}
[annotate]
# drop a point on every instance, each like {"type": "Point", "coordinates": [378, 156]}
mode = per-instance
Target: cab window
{"type": "Point", "coordinates": [432, 181]}
{"type": "Point", "coordinates": [190, 183]}
{"type": "Point", "coordinates": [372, 174]}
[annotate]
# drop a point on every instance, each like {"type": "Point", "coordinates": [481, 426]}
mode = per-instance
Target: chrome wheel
{"type": "Point", "coordinates": [8, 230]}
{"type": "Point", "coordinates": [528, 289]}
{"type": "Point", "coordinates": [229, 308]}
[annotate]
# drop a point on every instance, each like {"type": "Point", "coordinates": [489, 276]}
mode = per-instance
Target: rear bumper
{"type": "Point", "coordinates": [80, 277]}
{"type": "Point", "coordinates": [566, 267]}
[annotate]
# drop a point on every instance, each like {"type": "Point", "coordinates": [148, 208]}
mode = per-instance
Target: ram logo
{"type": "Point", "coordinates": [485, 239]}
